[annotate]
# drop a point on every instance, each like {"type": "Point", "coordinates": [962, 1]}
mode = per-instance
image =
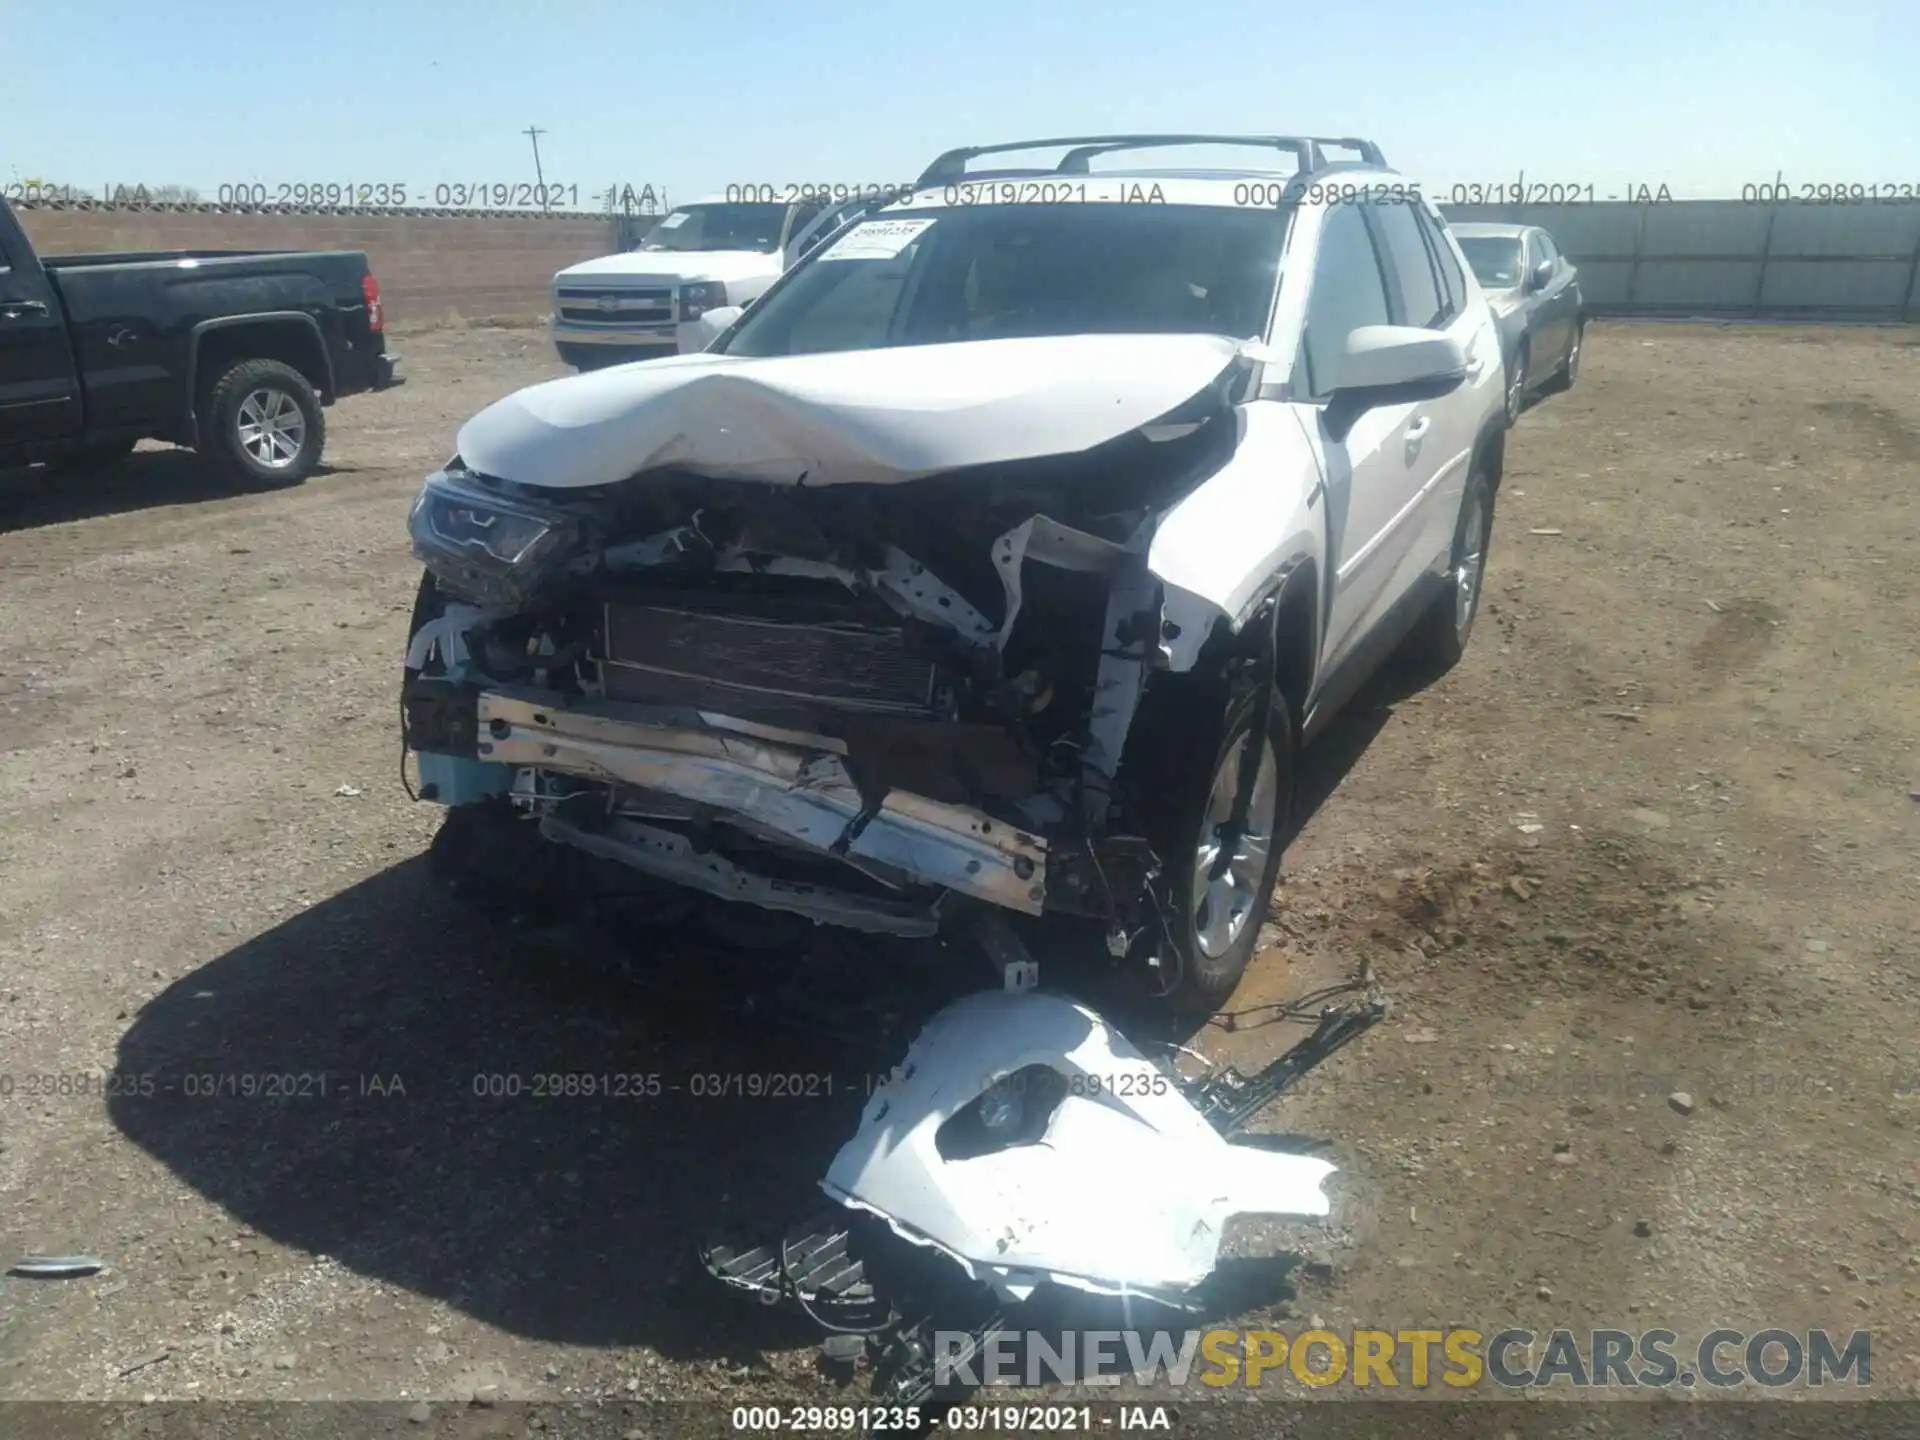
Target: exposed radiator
{"type": "Point", "coordinates": [688, 653]}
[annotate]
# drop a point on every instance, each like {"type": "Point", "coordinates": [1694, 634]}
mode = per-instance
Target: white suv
{"type": "Point", "coordinates": [996, 563]}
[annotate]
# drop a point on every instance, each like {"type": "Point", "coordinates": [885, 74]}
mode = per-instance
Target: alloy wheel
{"type": "Point", "coordinates": [1228, 867]}
{"type": "Point", "coordinates": [272, 427]}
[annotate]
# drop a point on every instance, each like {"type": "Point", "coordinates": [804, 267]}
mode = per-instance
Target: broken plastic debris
{"type": "Point", "coordinates": [1030, 1142]}
{"type": "Point", "coordinates": [57, 1267]}
{"type": "Point", "coordinates": [348, 790]}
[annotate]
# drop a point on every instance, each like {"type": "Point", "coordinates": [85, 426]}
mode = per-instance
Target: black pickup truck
{"type": "Point", "coordinates": [232, 353]}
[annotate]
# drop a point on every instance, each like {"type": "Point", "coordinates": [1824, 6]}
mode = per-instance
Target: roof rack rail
{"type": "Point", "coordinates": [1308, 152]}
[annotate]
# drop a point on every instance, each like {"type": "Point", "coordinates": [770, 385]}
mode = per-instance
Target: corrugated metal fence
{"type": "Point", "coordinates": [1734, 259]}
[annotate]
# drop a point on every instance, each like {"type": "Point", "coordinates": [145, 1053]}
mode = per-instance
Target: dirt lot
{"type": "Point", "coordinates": [1657, 834]}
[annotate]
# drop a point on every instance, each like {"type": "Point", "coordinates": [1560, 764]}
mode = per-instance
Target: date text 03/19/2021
{"type": "Point", "coordinates": [779, 1085]}
{"type": "Point", "coordinates": [356, 195]}
{"type": "Point", "coordinates": [442, 195]}
{"type": "Point", "coordinates": [275, 1085]}
{"type": "Point", "coordinates": [653, 1084]}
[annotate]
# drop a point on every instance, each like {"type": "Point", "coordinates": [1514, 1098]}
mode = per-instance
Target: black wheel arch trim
{"type": "Point", "coordinates": [1295, 587]}
{"type": "Point", "coordinates": [228, 322]}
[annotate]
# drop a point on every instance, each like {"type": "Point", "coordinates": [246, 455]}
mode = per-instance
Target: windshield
{"type": "Point", "coordinates": [1495, 259]}
{"type": "Point", "coordinates": [718, 227]}
{"type": "Point", "coordinates": [987, 272]}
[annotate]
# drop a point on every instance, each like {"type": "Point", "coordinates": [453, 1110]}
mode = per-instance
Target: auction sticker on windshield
{"type": "Point", "coordinates": [875, 240]}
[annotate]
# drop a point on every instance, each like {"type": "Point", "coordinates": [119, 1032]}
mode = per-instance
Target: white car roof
{"type": "Point", "coordinates": [1488, 229]}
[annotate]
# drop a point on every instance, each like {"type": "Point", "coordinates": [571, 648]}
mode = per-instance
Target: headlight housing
{"type": "Point", "coordinates": [701, 296]}
{"type": "Point", "coordinates": [489, 549]}
{"type": "Point", "coordinates": [1014, 1109]}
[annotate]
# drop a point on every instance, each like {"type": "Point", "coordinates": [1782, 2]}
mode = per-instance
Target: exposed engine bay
{"type": "Point", "coordinates": [864, 703]}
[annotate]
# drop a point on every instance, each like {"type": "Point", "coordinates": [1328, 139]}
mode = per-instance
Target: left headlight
{"type": "Point", "coordinates": [701, 296]}
{"type": "Point", "coordinates": [489, 549]}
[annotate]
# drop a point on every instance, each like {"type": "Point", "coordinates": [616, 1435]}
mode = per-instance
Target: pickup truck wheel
{"type": "Point", "coordinates": [1440, 639]}
{"type": "Point", "coordinates": [1222, 879]}
{"type": "Point", "coordinates": [262, 424]}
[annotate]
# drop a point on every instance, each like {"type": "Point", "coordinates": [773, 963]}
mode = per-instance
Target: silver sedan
{"type": "Point", "coordinates": [1535, 294]}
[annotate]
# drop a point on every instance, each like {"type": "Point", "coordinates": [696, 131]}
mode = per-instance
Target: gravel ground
{"type": "Point", "coordinates": [1657, 834]}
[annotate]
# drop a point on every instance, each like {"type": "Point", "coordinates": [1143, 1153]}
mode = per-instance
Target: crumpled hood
{"type": "Point", "coordinates": [856, 416]}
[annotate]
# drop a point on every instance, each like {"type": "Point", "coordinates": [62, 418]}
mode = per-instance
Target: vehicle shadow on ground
{"type": "Point", "coordinates": [1336, 750]}
{"type": "Point", "coordinates": [413, 1137]}
{"type": "Point", "coordinates": [145, 480]}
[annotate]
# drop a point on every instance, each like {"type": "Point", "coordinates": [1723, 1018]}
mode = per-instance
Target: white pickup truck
{"type": "Point", "coordinates": [645, 302]}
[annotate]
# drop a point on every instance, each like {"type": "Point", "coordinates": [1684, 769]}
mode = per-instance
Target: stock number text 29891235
{"type": "Point", "coordinates": [455, 195]}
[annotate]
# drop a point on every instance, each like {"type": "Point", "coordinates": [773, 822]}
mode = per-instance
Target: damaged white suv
{"type": "Point", "coordinates": [994, 564]}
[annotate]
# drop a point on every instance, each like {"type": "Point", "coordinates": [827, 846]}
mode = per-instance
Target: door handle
{"type": "Point", "coordinates": [120, 336]}
{"type": "Point", "coordinates": [1418, 429]}
{"type": "Point", "coordinates": [14, 309]}
{"type": "Point", "coordinates": [1475, 364]}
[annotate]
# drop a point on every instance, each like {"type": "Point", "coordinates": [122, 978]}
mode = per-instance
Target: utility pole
{"type": "Point", "coordinates": [533, 133]}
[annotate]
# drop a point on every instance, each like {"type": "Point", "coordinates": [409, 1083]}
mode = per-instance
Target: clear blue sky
{"type": "Point", "coordinates": [1702, 95]}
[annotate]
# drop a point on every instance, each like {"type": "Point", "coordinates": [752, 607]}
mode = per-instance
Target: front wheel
{"type": "Point", "coordinates": [262, 425]}
{"type": "Point", "coordinates": [1223, 875]}
{"type": "Point", "coordinates": [1440, 639]}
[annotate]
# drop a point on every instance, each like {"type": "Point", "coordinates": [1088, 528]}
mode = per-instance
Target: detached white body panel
{"type": "Point", "coordinates": [1128, 1191]}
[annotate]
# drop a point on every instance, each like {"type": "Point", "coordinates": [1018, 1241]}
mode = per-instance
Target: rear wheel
{"type": "Point", "coordinates": [1569, 370]}
{"type": "Point", "coordinates": [262, 425]}
{"type": "Point", "coordinates": [1223, 874]}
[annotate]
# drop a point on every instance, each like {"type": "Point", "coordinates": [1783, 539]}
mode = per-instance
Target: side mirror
{"type": "Point", "coordinates": [1538, 277]}
{"type": "Point", "coordinates": [712, 322]}
{"type": "Point", "coordinates": [1392, 365]}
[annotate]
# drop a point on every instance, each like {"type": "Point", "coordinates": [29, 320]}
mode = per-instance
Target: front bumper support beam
{"type": "Point", "coordinates": [785, 783]}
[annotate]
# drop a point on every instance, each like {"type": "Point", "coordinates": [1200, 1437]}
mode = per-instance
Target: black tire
{"type": "Point", "coordinates": [1440, 638]}
{"type": "Point", "coordinates": [1208, 973]}
{"type": "Point", "coordinates": [1569, 370]}
{"type": "Point", "coordinates": [1516, 396]}
{"type": "Point", "coordinates": [249, 412]}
